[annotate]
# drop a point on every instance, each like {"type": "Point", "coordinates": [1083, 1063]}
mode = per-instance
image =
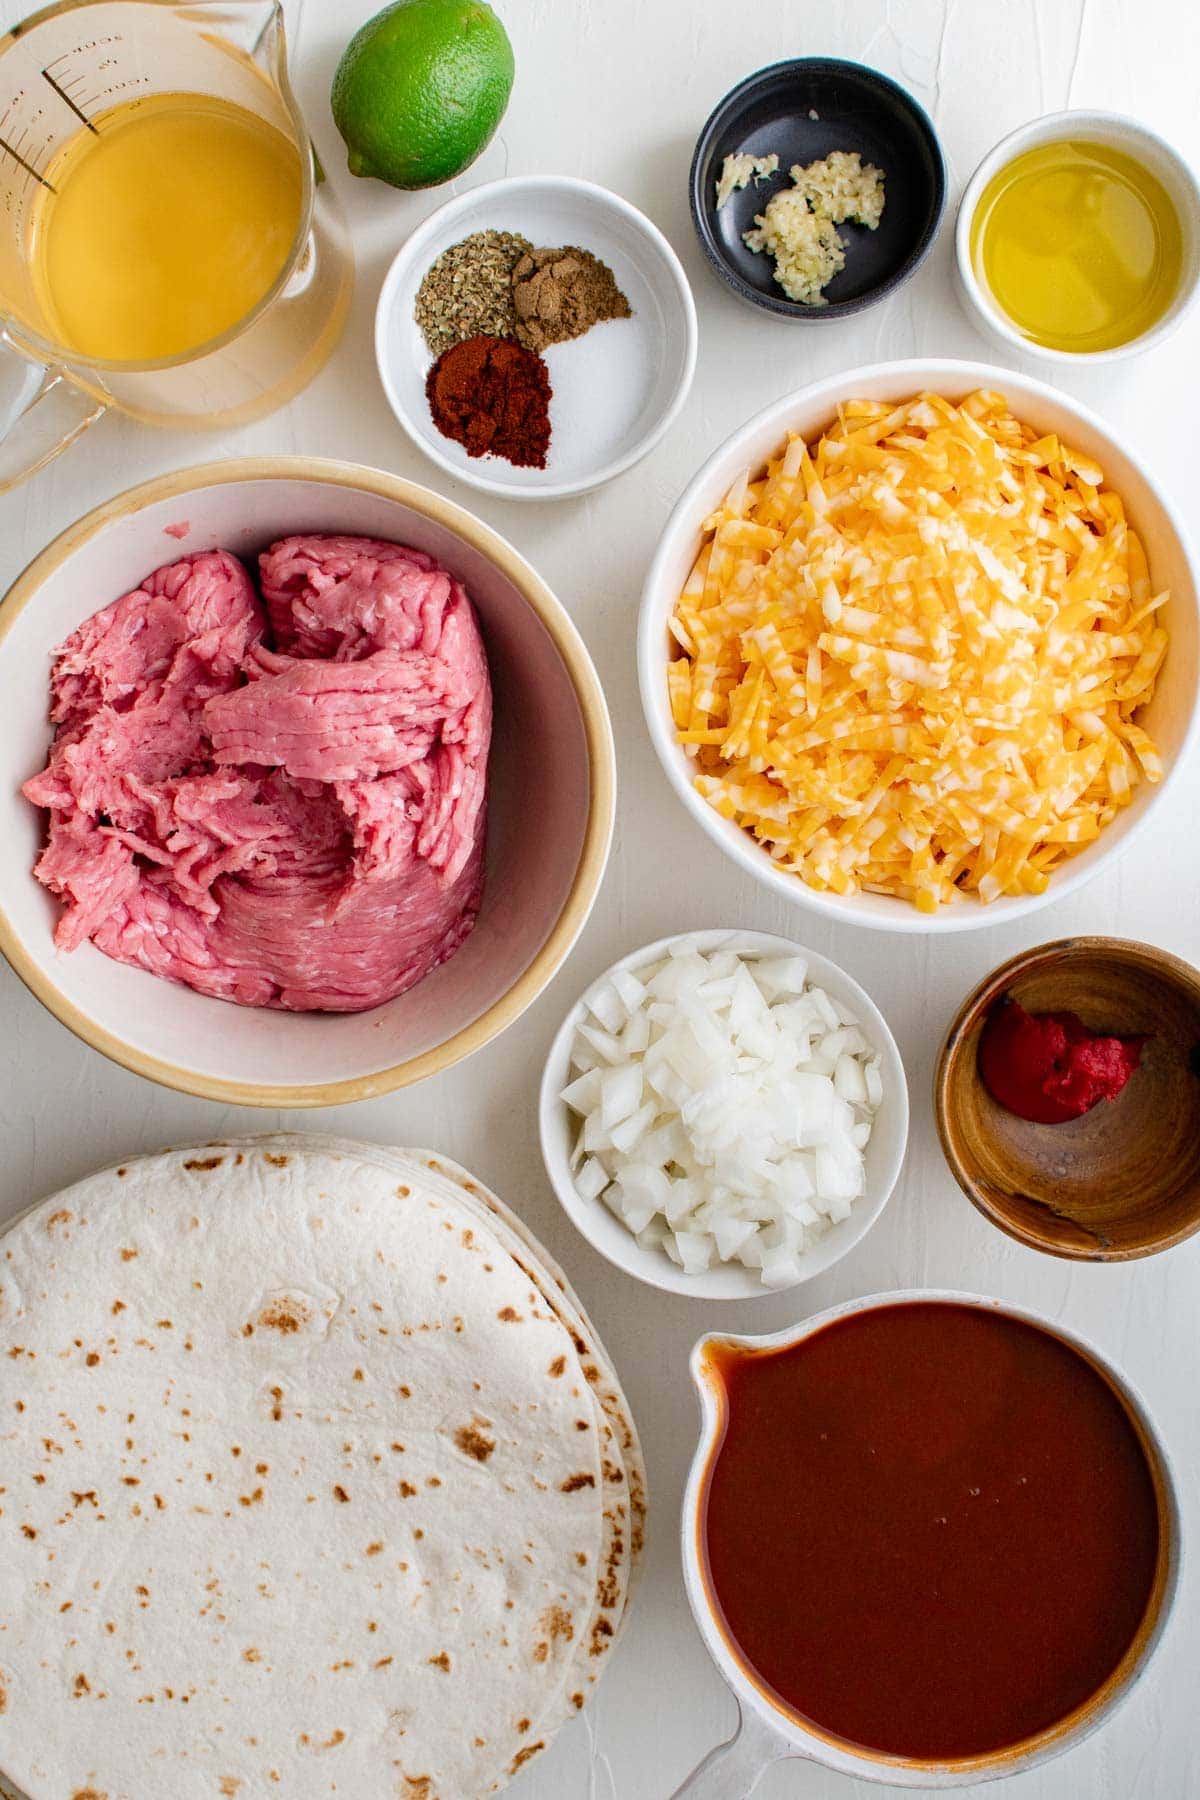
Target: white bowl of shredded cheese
{"type": "Point", "coordinates": [1014, 657]}
{"type": "Point", "coordinates": [724, 1114]}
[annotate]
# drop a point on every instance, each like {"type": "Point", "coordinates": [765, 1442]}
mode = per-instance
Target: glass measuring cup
{"type": "Point", "coordinates": [64, 70]}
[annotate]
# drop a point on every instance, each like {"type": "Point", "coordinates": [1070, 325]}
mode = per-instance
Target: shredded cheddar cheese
{"type": "Point", "coordinates": [911, 661]}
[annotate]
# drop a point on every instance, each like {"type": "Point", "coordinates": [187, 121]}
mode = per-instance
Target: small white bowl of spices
{"type": "Point", "coordinates": [536, 336]}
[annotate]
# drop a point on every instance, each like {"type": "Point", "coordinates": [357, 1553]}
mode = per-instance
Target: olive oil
{"type": "Point", "coordinates": [163, 226]}
{"type": "Point", "coordinates": [1079, 244]}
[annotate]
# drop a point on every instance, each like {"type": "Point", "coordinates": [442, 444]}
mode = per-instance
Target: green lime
{"type": "Point", "coordinates": [421, 88]}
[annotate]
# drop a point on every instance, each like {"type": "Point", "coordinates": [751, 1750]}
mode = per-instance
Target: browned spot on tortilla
{"type": "Point", "coordinates": [3, 1696]}
{"type": "Point", "coordinates": [523, 1726]}
{"type": "Point", "coordinates": [402, 1193]}
{"type": "Point", "coordinates": [405, 1392]}
{"type": "Point", "coordinates": [581, 1424]}
{"type": "Point", "coordinates": [61, 1217]}
{"type": "Point", "coordinates": [406, 1490]}
{"type": "Point", "coordinates": [254, 1499]}
{"type": "Point", "coordinates": [229, 1785]}
{"type": "Point", "coordinates": [509, 1315]}
{"type": "Point", "coordinates": [165, 1324]}
{"type": "Point", "coordinates": [600, 1630]}
{"type": "Point", "coordinates": [82, 1686]}
{"type": "Point", "coordinates": [251, 1655]}
{"type": "Point", "coordinates": [118, 1306]}
{"type": "Point", "coordinates": [358, 1375]}
{"type": "Point", "coordinates": [472, 1440]}
{"type": "Point", "coordinates": [238, 1160]}
{"type": "Point", "coordinates": [577, 1701]}
{"type": "Point", "coordinates": [276, 1160]}
{"type": "Point", "coordinates": [374, 1549]}
{"type": "Point", "coordinates": [280, 1317]}
{"type": "Point", "coordinates": [340, 1494]}
{"type": "Point", "coordinates": [128, 1255]}
{"type": "Point", "coordinates": [28, 1531]}
{"type": "Point", "coordinates": [573, 1483]}
{"type": "Point", "coordinates": [382, 1663]}
{"type": "Point", "coordinates": [204, 1162]}
{"type": "Point", "coordinates": [523, 1756]}
{"type": "Point", "coordinates": [420, 1787]}
{"type": "Point", "coordinates": [440, 1661]}
{"type": "Point", "coordinates": [91, 1359]}
{"type": "Point", "coordinates": [92, 1793]}
{"type": "Point", "coordinates": [558, 1367]}
{"type": "Point", "coordinates": [88, 1494]}
{"type": "Point", "coordinates": [276, 1394]}
{"type": "Point", "coordinates": [262, 1468]}
{"type": "Point", "coordinates": [130, 1481]}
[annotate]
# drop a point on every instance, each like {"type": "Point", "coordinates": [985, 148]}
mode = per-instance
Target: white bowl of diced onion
{"type": "Point", "coordinates": [724, 1114]}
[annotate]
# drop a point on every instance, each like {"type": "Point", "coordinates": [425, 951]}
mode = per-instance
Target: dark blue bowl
{"type": "Point", "coordinates": [856, 108]}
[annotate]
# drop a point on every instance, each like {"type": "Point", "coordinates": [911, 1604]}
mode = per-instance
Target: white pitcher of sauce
{"type": "Point", "coordinates": [109, 109]}
{"type": "Point", "coordinates": [766, 1733]}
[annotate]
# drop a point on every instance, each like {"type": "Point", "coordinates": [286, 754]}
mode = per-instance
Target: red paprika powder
{"type": "Point", "coordinates": [492, 396]}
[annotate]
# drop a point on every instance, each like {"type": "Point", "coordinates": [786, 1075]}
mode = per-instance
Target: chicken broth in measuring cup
{"type": "Point", "coordinates": [163, 225]}
{"type": "Point", "coordinates": [928, 1529]}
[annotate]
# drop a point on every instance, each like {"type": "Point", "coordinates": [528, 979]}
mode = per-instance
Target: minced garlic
{"type": "Point", "coordinates": [798, 225]}
{"type": "Point", "coordinates": [738, 170]}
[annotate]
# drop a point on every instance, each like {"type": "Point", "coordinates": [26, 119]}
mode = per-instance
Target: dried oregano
{"type": "Point", "coordinates": [468, 291]}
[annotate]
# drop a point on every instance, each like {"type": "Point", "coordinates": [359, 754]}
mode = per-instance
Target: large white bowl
{"type": "Point", "coordinates": [1171, 718]}
{"type": "Point", "coordinates": [883, 1157]}
{"type": "Point", "coordinates": [551, 791]}
{"type": "Point", "coordinates": [616, 389]}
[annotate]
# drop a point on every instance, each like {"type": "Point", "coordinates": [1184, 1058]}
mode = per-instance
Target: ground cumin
{"type": "Point", "coordinates": [492, 396]}
{"type": "Point", "coordinates": [560, 294]}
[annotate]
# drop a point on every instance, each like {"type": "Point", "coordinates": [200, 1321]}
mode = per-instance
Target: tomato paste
{"type": "Point", "coordinates": [1049, 1067]}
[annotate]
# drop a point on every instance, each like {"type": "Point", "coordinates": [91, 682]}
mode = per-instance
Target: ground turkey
{"type": "Point", "coordinates": [277, 800]}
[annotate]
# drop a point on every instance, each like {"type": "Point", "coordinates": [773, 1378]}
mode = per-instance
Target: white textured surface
{"type": "Point", "coordinates": [615, 90]}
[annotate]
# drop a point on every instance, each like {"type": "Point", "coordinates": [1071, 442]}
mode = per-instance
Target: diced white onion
{"type": "Point", "coordinates": [725, 1103]}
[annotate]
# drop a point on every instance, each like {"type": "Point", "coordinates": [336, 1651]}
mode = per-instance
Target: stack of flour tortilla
{"type": "Point", "coordinates": [314, 1478]}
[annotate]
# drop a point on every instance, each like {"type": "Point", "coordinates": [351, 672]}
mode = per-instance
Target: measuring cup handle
{"type": "Point", "coordinates": [732, 1770]}
{"type": "Point", "coordinates": [41, 412]}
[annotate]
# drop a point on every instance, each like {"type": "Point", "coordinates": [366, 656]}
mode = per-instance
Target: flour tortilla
{"type": "Point", "coordinates": [477, 1643]}
{"type": "Point", "coordinates": [624, 1469]}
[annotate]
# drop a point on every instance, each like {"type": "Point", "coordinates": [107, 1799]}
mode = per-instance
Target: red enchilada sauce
{"type": "Point", "coordinates": [930, 1529]}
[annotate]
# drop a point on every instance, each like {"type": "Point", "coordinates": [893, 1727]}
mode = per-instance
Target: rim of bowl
{"type": "Point", "coordinates": [415, 245]}
{"type": "Point", "coordinates": [597, 732]}
{"type": "Point", "coordinates": [655, 1268]}
{"type": "Point", "coordinates": [778, 305]}
{"type": "Point", "coordinates": [1163, 962]}
{"type": "Point", "coordinates": [652, 630]}
{"type": "Point", "coordinates": [835, 1753]}
{"type": "Point", "coordinates": [1115, 129]}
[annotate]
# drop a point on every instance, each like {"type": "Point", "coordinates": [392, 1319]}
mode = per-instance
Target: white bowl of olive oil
{"type": "Point", "coordinates": [1078, 238]}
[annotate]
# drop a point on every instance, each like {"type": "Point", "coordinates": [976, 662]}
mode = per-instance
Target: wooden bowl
{"type": "Point", "coordinates": [1123, 1180]}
